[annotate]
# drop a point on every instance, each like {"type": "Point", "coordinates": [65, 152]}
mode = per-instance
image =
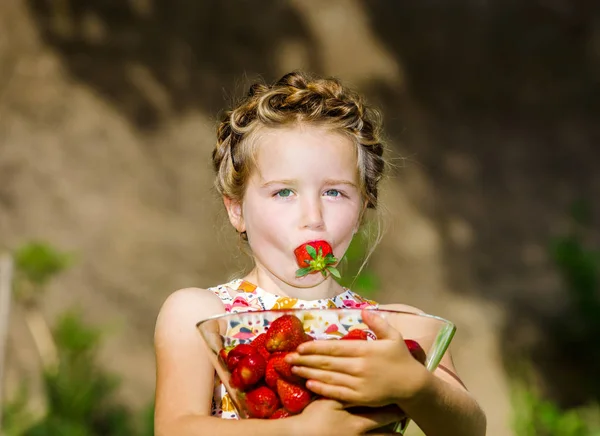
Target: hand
{"type": "Point", "coordinates": [325, 417]}
{"type": "Point", "coordinates": [370, 373]}
{"type": "Point", "coordinates": [386, 429]}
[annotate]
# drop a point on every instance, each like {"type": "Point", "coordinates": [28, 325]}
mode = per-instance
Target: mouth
{"type": "Point", "coordinates": [316, 257]}
{"type": "Point", "coordinates": [316, 243]}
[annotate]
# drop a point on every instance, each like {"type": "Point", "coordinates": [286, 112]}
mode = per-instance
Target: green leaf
{"type": "Point", "coordinates": [330, 261]}
{"type": "Point", "coordinates": [38, 262]}
{"type": "Point", "coordinates": [311, 251]}
{"type": "Point", "coordinates": [303, 271]}
{"type": "Point", "coordinates": [334, 272]}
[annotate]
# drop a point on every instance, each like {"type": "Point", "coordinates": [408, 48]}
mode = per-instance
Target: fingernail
{"type": "Point", "coordinates": [289, 358]}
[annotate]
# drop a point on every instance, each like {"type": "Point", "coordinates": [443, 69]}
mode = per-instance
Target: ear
{"type": "Point", "coordinates": [234, 210]}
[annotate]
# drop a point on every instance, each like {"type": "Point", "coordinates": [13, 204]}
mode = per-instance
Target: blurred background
{"type": "Point", "coordinates": [107, 116]}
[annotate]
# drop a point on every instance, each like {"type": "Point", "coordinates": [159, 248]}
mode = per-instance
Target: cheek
{"type": "Point", "coordinates": [346, 219]}
{"type": "Point", "coordinates": [343, 224]}
{"type": "Point", "coordinates": [266, 224]}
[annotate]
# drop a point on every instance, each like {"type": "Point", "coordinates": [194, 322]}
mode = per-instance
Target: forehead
{"type": "Point", "coordinates": [307, 150]}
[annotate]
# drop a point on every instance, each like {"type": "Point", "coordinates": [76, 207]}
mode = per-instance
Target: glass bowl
{"type": "Point", "coordinates": [248, 373]}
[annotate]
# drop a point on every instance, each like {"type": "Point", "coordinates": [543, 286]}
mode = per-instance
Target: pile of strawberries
{"type": "Point", "coordinates": [267, 387]}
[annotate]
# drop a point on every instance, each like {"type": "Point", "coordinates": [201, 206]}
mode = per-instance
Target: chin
{"type": "Point", "coordinates": [310, 280]}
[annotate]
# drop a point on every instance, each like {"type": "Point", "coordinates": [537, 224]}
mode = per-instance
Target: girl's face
{"type": "Point", "coordinates": [305, 188]}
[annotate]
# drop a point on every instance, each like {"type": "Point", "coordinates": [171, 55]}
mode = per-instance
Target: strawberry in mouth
{"type": "Point", "coordinates": [316, 256]}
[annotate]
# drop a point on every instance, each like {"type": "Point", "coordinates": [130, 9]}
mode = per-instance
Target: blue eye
{"type": "Point", "coordinates": [284, 193]}
{"type": "Point", "coordinates": [333, 193]}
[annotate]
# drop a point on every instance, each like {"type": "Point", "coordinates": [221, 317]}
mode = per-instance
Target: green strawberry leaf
{"type": "Point", "coordinates": [330, 261]}
{"type": "Point", "coordinates": [320, 252]}
{"type": "Point", "coordinates": [334, 272]}
{"type": "Point", "coordinates": [324, 273]}
{"type": "Point", "coordinates": [311, 251]}
{"type": "Point", "coordinates": [303, 271]}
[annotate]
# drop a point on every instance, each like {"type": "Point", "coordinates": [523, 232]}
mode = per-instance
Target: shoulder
{"type": "Point", "coordinates": [196, 301]}
{"type": "Point", "coordinates": [400, 308]}
{"type": "Point", "coordinates": [184, 308]}
{"type": "Point", "coordinates": [184, 372]}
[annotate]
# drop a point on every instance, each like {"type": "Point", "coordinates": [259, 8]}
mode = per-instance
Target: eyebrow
{"type": "Point", "coordinates": [278, 182]}
{"type": "Point", "coordinates": [340, 182]}
{"type": "Point", "coordinates": [293, 181]}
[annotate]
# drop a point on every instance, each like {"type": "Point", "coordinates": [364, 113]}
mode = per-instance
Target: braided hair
{"type": "Point", "coordinates": [297, 98]}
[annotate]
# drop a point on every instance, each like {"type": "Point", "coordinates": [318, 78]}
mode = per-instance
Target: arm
{"type": "Point", "coordinates": [196, 425]}
{"type": "Point", "coordinates": [381, 372]}
{"type": "Point", "coordinates": [443, 406]}
{"type": "Point", "coordinates": [185, 376]}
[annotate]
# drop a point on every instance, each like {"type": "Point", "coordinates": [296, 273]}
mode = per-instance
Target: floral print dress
{"type": "Point", "coordinates": [250, 297]}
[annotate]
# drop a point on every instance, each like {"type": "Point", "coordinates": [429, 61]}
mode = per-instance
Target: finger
{"type": "Point", "coordinates": [325, 403]}
{"type": "Point", "coordinates": [343, 394]}
{"type": "Point", "coordinates": [379, 326]}
{"type": "Point", "coordinates": [340, 364]}
{"type": "Point", "coordinates": [334, 348]}
{"type": "Point", "coordinates": [379, 417]}
{"type": "Point", "coordinates": [328, 377]}
{"type": "Point", "coordinates": [383, 434]}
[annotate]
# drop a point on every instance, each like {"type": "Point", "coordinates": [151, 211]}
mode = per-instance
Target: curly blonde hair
{"type": "Point", "coordinates": [297, 98]}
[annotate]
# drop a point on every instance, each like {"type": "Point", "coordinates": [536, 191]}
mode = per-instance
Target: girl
{"type": "Point", "coordinates": [301, 161]}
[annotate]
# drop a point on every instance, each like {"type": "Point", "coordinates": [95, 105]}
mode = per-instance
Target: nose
{"type": "Point", "coordinates": [312, 214]}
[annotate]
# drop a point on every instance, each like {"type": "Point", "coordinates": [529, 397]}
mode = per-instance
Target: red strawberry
{"type": "Point", "coordinates": [249, 371]}
{"type": "Point", "coordinates": [283, 368]}
{"type": "Point", "coordinates": [236, 380]}
{"type": "Point", "coordinates": [416, 350]}
{"type": "Point", "coordinates": [264, 353]}
{"type": "Point", "coordinates": [259, 340]}
{"type": "Point", "coordinates": [223, 352]}
{"type": "Point", "coordinates": [261, 402]}
{"type": "Point", "coordinates": [356, 334]}
{"type": "Point", "coordinates": [316, 256]}
{"type": "Point", "coordinates": [271, 374]}
{"type": "Point", "coordinates": [237, 353]}
{"type": "Point", "coordinates": [259, 344]}
{"type": "Point", "coordinates": [280, 413]}
{"type": "Point", "coordinates": [285, 334]}
{"type": "Point", "coordinates": [293, 397]}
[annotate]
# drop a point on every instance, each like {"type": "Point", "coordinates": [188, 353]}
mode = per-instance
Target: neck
{"type": "Point", "coordinates": [261, 277]}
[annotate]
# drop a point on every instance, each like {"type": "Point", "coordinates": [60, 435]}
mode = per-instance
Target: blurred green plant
{"type": "Point", "coordinates": [535, 416]}
{"type": "Point", "coordinates": [357, 276]}
{"type": "Point", "coordinates": [579, 268]}
{"type": "Point", "coordinates": [16, 417]}
{"type": "Point", "coordinates": [578, 263]}
{"type": "Point", "coordinates": [80, 395]}
{"type": "Point", "coordinates": [36, 263]}
{"type": "Point", "coordinates": [79, 392]}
